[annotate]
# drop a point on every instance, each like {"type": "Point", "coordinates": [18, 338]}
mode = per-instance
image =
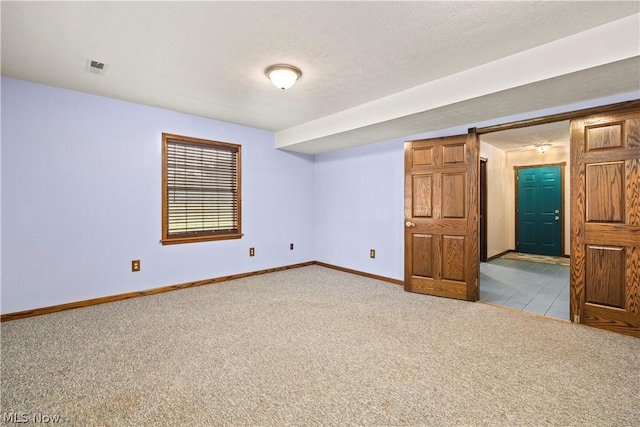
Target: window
{"type": "Point", "coordinates": [200, 190]}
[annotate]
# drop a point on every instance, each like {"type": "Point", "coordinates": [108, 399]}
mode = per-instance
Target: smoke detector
{"type": "Point", "coordinates": [96, 67]}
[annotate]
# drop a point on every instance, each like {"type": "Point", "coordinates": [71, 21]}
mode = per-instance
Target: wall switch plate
{"type": "Point", "coordinates": [372, 253]}
{"type": "Point", "coordinates": [135, 265]}
{"type": "Point", "coordinates": [252, 251]}
{"type": "Point", "coordinates": [290, 246]}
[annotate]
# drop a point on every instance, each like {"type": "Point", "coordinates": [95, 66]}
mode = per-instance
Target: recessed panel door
{"type": "Point", "coordinates": [605, 221]}
{"type": "Point", "coordinates": [441, 216]}
{"type": "Point", "coordinates": [539, 210]}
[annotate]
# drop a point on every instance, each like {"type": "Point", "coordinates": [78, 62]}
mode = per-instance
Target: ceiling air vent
{"type": "Point", "coordinates": [96, 67]}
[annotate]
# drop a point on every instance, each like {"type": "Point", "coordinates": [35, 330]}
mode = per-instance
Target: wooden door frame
{"type": "Point", "coordinates": [562, 200]}
{"type": "Point", "coordinates": [559, 117]}
{"type": "Point", "coordinates": [633, 105]}
{"type": "Point", "coordinates": [482, 203]}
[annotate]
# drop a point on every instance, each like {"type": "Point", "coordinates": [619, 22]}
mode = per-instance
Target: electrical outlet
{"type": "Point", "coordinates": [290, 246]}
{"type": "Point", "coordinates": [135, 265]}
{"type": "Point", "coordinates": [372, 253]}
{"type": "Point", "coordinates": [252, 251]}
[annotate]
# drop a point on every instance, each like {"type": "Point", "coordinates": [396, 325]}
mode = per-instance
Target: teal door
{"type": "Point", "coordinates": [539, 210]}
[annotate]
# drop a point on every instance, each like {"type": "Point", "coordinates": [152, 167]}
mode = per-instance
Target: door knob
{"type": "Point", "coordinates": [409, 224]}
{"type": "Point", "coordinates": [557, 218]}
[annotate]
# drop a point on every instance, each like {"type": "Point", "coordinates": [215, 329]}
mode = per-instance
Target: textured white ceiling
{"type": "Point", "coordinates": [555, 134]}
{"type": "Point", "coordinates": [208, 58]}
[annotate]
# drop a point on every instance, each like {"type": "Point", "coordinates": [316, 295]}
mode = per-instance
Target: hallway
{"type": "Point", "coordinates": [528, 286]}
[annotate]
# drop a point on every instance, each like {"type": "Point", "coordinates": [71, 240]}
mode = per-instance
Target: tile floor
{"type": "Point", "coordinates": [527, 286]}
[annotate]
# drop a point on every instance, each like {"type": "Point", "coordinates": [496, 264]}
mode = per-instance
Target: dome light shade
{"type": "Point", "coordinates": [283, 76]}
{"type": "Point", "coordinates": [543, 148]}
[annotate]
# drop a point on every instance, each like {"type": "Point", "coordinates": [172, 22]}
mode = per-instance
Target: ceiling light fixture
{"type": "Point", "coordinates": [283, 76]}
{"type": "Point", "coordinates": [543, 148]}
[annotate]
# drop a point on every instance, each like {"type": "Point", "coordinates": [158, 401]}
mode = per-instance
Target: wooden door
{"type": "Point", "coordinates": [605, 221]}
{"type": "Point", "coordinates": [539, 210]}
{"type": "Point", "coordinates": [441, 216]}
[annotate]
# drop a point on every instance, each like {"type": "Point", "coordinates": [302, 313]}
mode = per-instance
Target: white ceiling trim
{"type": "Point", "coordinates": [605, 44]}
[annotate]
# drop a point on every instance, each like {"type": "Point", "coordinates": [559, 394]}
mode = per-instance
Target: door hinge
{"type": "Point", "coordinates": [576, 318]}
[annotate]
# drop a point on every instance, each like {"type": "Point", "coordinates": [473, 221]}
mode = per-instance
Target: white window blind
{"type": "Point", "coordinates": [202, 197]}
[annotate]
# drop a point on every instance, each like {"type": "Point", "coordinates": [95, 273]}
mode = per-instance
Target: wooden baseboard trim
{"type": "Point", "coordinates": [102, 300]}
{"type": "Point", "coordinates": [361, 273]}
{"type": "Point", "coordinates": [491, 258]}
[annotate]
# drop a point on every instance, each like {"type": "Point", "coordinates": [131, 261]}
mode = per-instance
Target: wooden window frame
{"type": "Point", "coordinates": [200, 235]}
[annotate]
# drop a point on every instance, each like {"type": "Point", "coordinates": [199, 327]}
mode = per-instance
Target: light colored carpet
{"type": "Point", "coordinates": [314, 346]}
{"type": "Point", "coordinates": [537, 258]}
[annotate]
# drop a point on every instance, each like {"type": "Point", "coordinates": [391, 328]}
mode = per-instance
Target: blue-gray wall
{"type": "Point", "coordinates": [81, 189]}
{"type": "Point", "coordinates": [81, 198]}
